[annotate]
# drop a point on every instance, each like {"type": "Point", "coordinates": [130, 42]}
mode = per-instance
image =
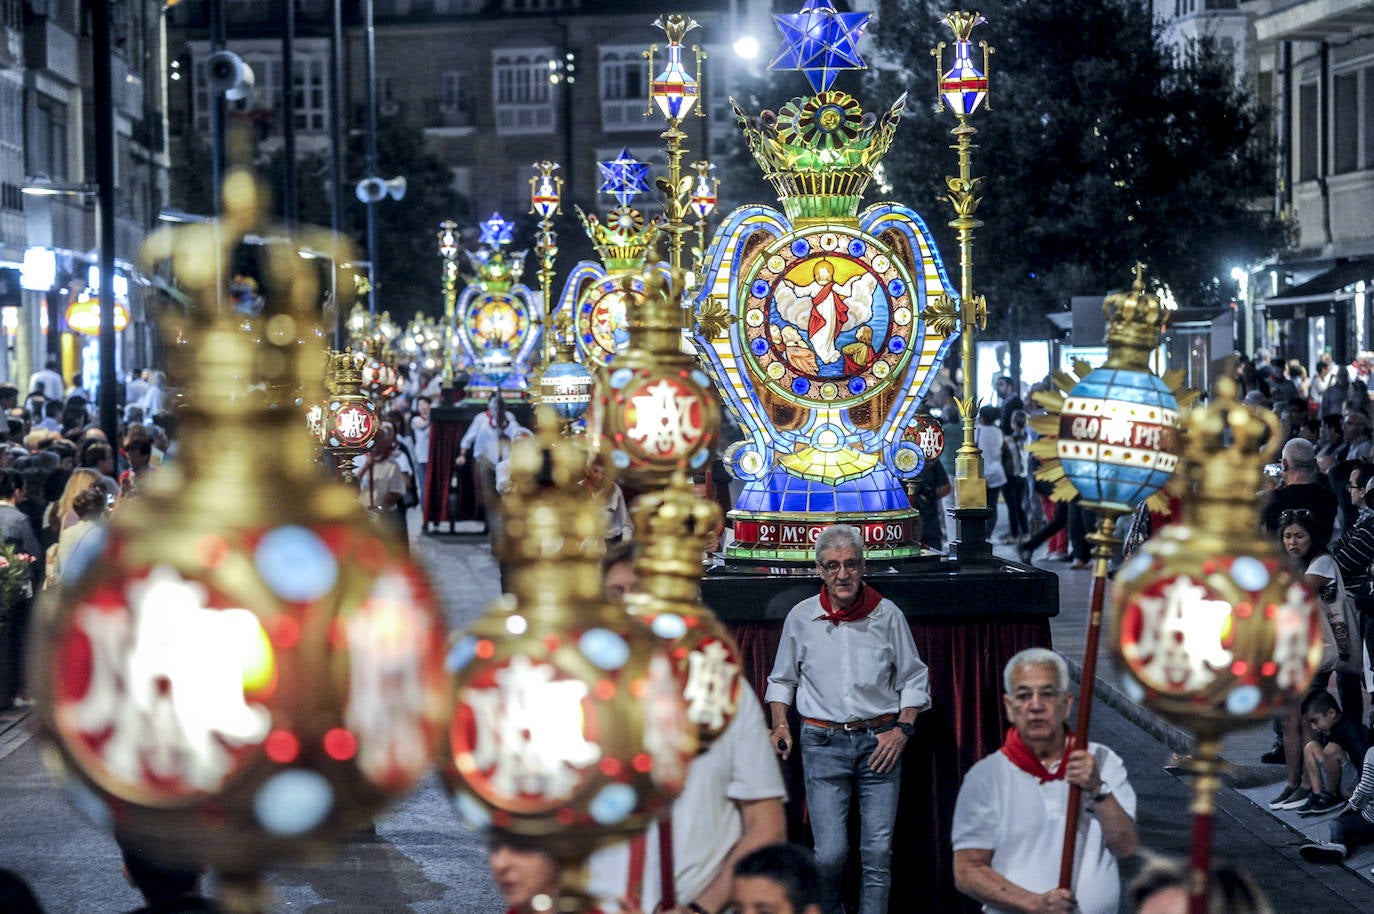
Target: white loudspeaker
{"type": "Point", "coordinates": [370, 190]}
{"type": "Point", "coordinates": [228, 74]}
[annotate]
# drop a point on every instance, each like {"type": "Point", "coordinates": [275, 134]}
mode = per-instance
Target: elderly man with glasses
{"type": "Point", "coordinates": [1009, 818]}
{"type": "Point", "coordinates": [849, 662]}
{"type": "Point", "coordinates": [1300, 487]}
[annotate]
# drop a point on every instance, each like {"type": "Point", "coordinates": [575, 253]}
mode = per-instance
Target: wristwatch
{"type": "Point", "coordinates": [1102, 794]}
{"type": "Point", "coordinates": [906, 728]}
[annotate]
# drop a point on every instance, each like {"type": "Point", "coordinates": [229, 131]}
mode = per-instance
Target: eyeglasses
{"type": "Point", "coordinates": [1294, 514]}
{"type": "Point", "coordinates": [852, 565]}
{"type": "Point", "coordinates": [1024, 696]}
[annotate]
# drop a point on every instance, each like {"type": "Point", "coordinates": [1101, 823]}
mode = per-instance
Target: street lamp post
{"type": "Point", "coordinates": [102, 77]}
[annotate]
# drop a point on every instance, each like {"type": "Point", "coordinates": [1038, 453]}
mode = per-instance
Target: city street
{"type": "Point", "coordinates": [423, 860]}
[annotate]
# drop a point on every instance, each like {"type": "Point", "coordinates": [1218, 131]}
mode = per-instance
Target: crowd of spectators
{"type": "Point", "coordinates": [60, 477]}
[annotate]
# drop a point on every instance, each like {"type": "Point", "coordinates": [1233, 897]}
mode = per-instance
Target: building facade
{"type": "Point", "coordinates": [493, 85]}
{"type": "Point", "coordinates": [49, 250]}
{"type": "Point", "coordinates": [1314, 65]}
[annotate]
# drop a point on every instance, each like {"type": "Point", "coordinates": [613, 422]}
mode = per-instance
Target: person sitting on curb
{"type": "Point", "coordinates": [1353, 827]}
{"type": "Point", "coordinates": [1332, 759]}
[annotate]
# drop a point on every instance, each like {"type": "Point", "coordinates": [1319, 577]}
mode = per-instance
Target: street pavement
{"type": "Point", "coordinates": [423, 860]}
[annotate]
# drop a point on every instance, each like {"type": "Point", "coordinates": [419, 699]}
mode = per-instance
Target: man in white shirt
{"type": "Point", "coordinates": [1009, 818]}
{"type": "Point", "coordinates": [848, 660]}
{"type": "Point", "coordinates": [730, 806]}
{"type": "Point", "coordinates": [48, 382]}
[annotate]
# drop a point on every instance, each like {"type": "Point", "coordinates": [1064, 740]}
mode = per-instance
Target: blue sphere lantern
{"type": "Point", "coordinates": [1118, 435]}
{"type": "Point", "coordinates": [566, 387]}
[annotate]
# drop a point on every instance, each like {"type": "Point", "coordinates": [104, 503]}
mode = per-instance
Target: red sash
{"type": "Point", "coordinates": [841, 310]}
{"type": "Point", "coordinates": [634, 881]}
{"type": "Point", "coordinates": [1020, 755]}
{"type": "Point", "coordinates": [867, 602]}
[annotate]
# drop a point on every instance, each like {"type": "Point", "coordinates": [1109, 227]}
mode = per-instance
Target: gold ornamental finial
{"type": "Point", "coordinates": [1134, 322]}
{"type": "Point", "coordinates": [673, 525]}
{"type": "Point", "coordinates": [1225, 447]}
{"type": "Point", "coordinates": [623, 240]}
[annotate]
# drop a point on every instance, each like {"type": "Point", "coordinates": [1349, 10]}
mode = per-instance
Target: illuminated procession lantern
{"type": "Point", "coordinates": [497, 323]}
{"type": "Point", "coordinates": [672, 528]}
{"type": "Point", "coordinates": [248, 671]}
{"type": "Point", "coordinates": [1116, 431]}
{"type": "Point", "coordinates": [810, 319]}
{"type": "Point", "coordinates": [655, 414]}
{"type": "Point", "coordinates": [1116, 445]}
{"type": "Point", "coordinates": [350, 418]}
{"type": "Point", "coordinates": [566, 386]}
{"type": "Point", "coordinates": [1211, 628]}
{"type": "Point", "coordinates": [594, 293]}
{"type": "Point", "coordinates": [569, 729]}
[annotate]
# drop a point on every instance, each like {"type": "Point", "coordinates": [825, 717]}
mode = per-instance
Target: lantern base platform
{"type": "Point", "coordinates": [931, 586]}
{"type": "Point", "coordinates": [967, 622]}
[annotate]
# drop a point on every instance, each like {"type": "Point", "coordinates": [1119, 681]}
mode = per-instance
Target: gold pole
{"type": "Point", "coordinates": [546, 191]}
{"type": "Point", "coordinates": [677, 192]}
{"type": "Point", "coordinates": [964, 88]}
{"type": "Point", "coordinates": [448, 249]}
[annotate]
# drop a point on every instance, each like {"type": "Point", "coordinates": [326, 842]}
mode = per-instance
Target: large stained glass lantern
{"type": "Point", "coordinates": [569, 729]}
{"type": "Point", "coordinates": [1212, 629]}
{"type": "Point", "coordinates": [673, 527]}
{"type": "Point", "coordinates": [249, 670]}
{"type": "Point", "coordinates": [656, 413]}
{"type": "Point", "coordinates": [964, 87]}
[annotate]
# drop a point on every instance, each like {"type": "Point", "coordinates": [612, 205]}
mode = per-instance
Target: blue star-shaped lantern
{"type": "Point", "coordinates": [820, 42]}
{"type": "Point", "coordinates": [496, 231]}
{"type": "Point", "coordinates": [624, 177]}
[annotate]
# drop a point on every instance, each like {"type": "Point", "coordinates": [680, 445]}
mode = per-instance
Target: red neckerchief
{"type": "Point", "coordinates": [867, 602]}
{"type": "Point", "coordinates": [1020, 755]}
{"type": "Point", "coordinates": [841, 310]}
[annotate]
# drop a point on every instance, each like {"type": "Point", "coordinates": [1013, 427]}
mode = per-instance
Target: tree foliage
{"type": "Point", "coordinates": [1100, 147]}
{"type": "Point", "coordinates": [408, 268]}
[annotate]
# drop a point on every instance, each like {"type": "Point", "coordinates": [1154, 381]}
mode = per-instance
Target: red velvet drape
{"type": "Point", "coordinates": [445, 434]}
{"type": "Point", "coordinates": [964, 724]}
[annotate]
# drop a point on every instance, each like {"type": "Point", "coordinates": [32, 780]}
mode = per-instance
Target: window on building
{"type": "Point", "coordinates": [1307, 141]}
{"type": "Point", "coordinates": [624, 88]}
{"type": "Point", "coordinates": [310, 72]}
{"type": "Point", "coordinates": [1345, 125]}
{"type": "Point", "coordinates": [453, 91]}
{"type": "Point", "coordinates": [47, 135]}
{"type": "Point", "coordinates": [1368, 118]}
{"type": "Point", "coordinates": [523, 96]}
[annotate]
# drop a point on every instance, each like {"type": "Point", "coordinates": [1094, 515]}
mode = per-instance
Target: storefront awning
{"type": "Point", "coordinates": [1330, 287]}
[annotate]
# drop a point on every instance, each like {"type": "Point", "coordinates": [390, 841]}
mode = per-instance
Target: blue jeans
{"type": "Point", "coordinates": [835, 765]}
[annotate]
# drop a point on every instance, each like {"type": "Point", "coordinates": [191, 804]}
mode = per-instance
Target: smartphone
{"type": "Point", "coordinates": [1274, 470]}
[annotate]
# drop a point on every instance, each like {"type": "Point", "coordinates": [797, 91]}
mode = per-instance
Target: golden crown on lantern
{"type": "Point", "coordinates": [494, 271]}
{"type": "Point", "coordinates": [1135, 319]}
{"type": "Point", "coordinates": [623, 239]}
{"type": "Point", "coordinates": [819, 152]}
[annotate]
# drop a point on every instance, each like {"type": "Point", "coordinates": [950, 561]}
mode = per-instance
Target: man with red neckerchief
{"type": "Point", "coordinates": [848, 660]}
{"type": "Point", "coordinates": [1009, 818]}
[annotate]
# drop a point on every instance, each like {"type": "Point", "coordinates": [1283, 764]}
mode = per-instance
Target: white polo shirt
{"type": "Point", "coordinates": [1008, 811]}
{"type": "Point", "coordinates": [739, 766]}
